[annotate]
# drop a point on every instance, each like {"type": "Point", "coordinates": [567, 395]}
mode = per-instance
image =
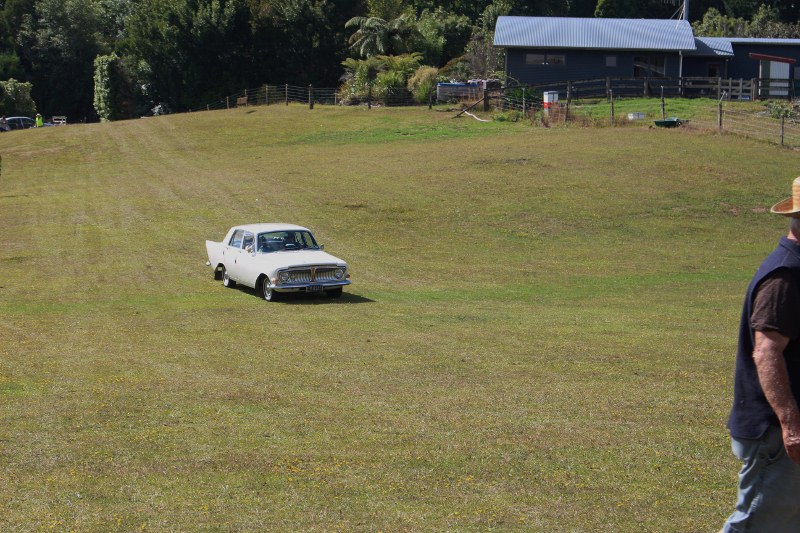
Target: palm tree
{"type": "Point", "coordinates": [376, 36]}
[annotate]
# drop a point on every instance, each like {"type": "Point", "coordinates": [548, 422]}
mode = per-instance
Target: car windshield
{"type": "Point", "coordinates": [276, 241]}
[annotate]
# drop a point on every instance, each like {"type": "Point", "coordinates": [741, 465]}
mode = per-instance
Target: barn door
{"type": "Point", "coordinates": [778, 75]}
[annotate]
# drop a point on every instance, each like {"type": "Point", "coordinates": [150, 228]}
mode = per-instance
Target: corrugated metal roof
{"type": "Point", "coordinates": [756, 40]}
{"type": "Point", "coordinates": [712, 47]}
{"type": "Point", "coordinates": [593, 33]}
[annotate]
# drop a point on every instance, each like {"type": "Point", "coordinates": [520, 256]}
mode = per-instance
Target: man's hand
{"type": "Point", "coordinates": [774, 379]}
{"type": "Point", "coordinates": [791, 441]}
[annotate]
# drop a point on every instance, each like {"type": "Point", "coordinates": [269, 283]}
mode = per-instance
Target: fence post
{"type": "Point", "coordinates": [753, 88]}
{"type": "Point", "coordinates": [369, 96]}
{"type": "Point", "coordinates": [608, 88]}
{"type": "Point", "coordinates": [430, 97]}
{"type": "Point", "coordinates": [783, 120]}
{"type": "Point", "coordinates": [208, 107]}
{"type": "Point", "coordinates": [523, 101]}
{"type": "Point", "coordinates": [611, 94]}
{"type": "Point", "coordinates": [227, 102]}
{"type": "Point", "coordinates": [246, 99]}
{"type": "Point", "coordinates": [310, 96]}
{"type": "Point", "coordinates": [719, 86]}
{"type": "Point", "coordinates": [266, 94]}
{"type": "Point", "coordinates": [286, 94]}
{"type": "Point", "coordinates": [663, 112]}
{"type": "Point", "coordinates": [719, 115]}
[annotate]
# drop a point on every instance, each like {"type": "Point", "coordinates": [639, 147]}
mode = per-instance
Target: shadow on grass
{"type": "Point", "coordinates": [302, 298]}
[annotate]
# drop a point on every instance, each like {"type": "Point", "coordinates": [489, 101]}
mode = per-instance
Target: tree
{"type": "Point", "coordinates": [301, 41]}
{"type": "Point", "coordinates": [15, 98]}
{"type": "Point", "coordinates": [376, 36]}
{"type": "Point", "coordinates": [57, 44]}
{"type": "Point", "coordinates": [765, 24]}
{"type": "Point", "coordinates": [715, 24]}
{"type": "Point", "coordinates": [444, 35]}
{"type": "Point", "coordinates": [113, 88]}
{"type": "Point", "coordinates": [651, 9]}
{"type": "Point", "coordinates": [386, 9]}
{"type": "Point", "coordinates": [188, 52]}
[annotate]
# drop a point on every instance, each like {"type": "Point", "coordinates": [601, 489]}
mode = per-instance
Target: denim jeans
{"type": "Point", "coordinates": [768, 500]}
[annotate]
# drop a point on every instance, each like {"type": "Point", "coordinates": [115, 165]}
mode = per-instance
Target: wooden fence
{"type": "Point", "coordinates": [686, 87]}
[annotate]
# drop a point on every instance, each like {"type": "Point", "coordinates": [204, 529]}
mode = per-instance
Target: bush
{"type": "Point", "coordinates": [113, 93]}
{"type": "Point", "coordinates": [423, 83]}
{"type": "Point", "coordinates": [15, 98]}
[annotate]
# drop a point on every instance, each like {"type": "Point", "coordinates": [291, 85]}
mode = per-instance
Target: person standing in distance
{"type": "Point", "coordinates": [764, 423]}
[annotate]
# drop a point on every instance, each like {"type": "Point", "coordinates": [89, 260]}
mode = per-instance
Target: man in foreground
{"type": "Point", "coordinates": [765, 421]}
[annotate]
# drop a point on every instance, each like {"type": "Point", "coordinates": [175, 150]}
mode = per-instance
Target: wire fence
{"type": "Point", "coordinates": [783, 131]}
{"type": "Point", "coordinates": [528, 101]}
{"type": "Point", "coordinates": [309, 95]}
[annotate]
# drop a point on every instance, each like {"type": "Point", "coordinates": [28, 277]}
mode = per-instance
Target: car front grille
{"type": "Point", "coordinates": [312, 274]}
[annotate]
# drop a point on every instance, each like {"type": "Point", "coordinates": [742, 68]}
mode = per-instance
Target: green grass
{"type": "Point", "coordinates": [599, 111]}
{"type": "Point", "coordinates": [539, 336]}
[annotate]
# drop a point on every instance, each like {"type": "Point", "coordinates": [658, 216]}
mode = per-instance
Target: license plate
{"type": "Point", "coordinates": [314, 288]}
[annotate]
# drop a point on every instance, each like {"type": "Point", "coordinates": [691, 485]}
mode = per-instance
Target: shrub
{"type": "Point", "coordinates": [15, 98]}
{"type": "Point", "coordinates": [423, 83]}
{"type": "Point", "coordinates": [113, 93]}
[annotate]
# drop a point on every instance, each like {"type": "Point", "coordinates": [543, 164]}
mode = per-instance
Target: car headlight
{"type": "Point", "coordinates": [284, 277]}
{"type": "Point", "coordinates": [339, 273]}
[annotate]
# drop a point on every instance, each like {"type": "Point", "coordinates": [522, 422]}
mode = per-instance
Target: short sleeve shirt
{"type": "Point", "coordinates": [776, 306]}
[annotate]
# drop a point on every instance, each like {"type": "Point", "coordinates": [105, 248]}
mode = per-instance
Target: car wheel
{"type": "Point", "coordinates": [226, 280]}
{"type": "Point", "coordinates": [334, 293]}
{"type": "Point", "coordinates": [268, 292]}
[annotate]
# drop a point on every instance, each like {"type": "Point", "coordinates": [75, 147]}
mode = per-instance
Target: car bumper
{"type": "Point", "coordinates": [310, 287]}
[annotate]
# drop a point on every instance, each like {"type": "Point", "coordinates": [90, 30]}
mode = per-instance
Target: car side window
{"type": "Point", "coordinates": [236, 238]}
{"type": "Point", "coordinates": [247, 241]}
{"type": "Point", "coordinates": [307, 240]}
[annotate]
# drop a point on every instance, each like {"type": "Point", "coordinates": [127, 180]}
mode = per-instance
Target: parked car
{"type": "Point", "coordinates": [20, 123]}
{"type": "Point", "coordinates": [276, 259]}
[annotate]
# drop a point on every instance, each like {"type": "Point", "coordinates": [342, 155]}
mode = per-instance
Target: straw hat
{"type": "Point", "coordinates": [791, 206]}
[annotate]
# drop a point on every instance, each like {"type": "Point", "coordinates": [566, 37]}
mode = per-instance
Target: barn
{"type": "Point", "coordinates": [548, 50]}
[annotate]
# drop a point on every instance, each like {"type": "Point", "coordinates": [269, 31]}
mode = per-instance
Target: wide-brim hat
{"type": "Point", "coordinates": [791, 206]}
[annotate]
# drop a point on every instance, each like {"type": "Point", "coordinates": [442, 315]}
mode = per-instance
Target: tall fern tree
{"type": "Point", "coordinates": [376, 36]}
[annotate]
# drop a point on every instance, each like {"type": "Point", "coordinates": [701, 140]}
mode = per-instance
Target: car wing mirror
{"type": "Point", "coordinates": [321, 246]}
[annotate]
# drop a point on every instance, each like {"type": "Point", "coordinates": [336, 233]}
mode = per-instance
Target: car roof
{"type": "Point", "coordinates": [9, 118]}
{"type": "Point", "coordinates": [272, 226]}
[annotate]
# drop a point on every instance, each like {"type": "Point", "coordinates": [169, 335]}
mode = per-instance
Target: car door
{"type": "Point", "coordinates": [233, 251]}
{"type": "Point", "coordinates": [246, 263]}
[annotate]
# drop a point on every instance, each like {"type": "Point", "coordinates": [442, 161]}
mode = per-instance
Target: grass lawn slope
{"type": "Point", "coordinates": [539, 335]}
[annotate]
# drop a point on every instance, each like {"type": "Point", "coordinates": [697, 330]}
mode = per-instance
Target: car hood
{"type": "Point", "coordinates": [297, 258]}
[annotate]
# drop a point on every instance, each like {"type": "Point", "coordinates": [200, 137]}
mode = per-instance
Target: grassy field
{"type": "Point", "coordinates": [539, 335]}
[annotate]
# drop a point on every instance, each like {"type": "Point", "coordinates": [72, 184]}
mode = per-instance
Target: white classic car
{"type": "Point", "coordinates": [274, 259]}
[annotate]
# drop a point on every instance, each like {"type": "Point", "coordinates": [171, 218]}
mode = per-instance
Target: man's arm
{"type": "Point", "coordinates": [774, 379]}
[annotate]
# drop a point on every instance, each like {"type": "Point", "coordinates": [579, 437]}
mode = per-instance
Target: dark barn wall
{"type": "Point", "coordinates": [697, 67]}
{"type": "Point", "coordinates": [580, 65]}
{"type": "Point", "coordinates": [742, 66]}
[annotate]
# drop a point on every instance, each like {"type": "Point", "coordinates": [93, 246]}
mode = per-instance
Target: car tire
{"type": "Point", "coordinates": [268, 292]}
{"type": "Point", "coordinates": [334, 293]}
{"type": "Point", "coordinates": [226, 280]}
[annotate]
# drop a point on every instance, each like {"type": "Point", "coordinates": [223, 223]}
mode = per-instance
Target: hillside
{"type": "Point", "coordinates": [539, 335]}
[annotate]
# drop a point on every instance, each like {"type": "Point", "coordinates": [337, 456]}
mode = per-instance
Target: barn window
{"type": "Point", "coordinates": [534, 59]}
{"type": "Point", "coordinates": [545, 59]}
{"type": "Point", "coordinates": [648, 67]}
{"type": "Point", "coordinates": [611, 61]}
